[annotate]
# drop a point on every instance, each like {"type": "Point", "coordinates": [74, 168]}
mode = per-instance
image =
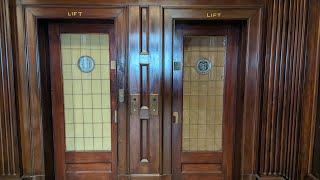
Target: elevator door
{"type": "Point", "coordinates": [83, 87]}
{"type": "Point", "coordinates": [205, 70]}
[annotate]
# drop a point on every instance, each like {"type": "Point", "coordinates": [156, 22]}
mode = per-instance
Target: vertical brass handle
{"type": "Point", "coordinates": [115, 117]}
{"type": "Point", "coordinates": [175, 116]}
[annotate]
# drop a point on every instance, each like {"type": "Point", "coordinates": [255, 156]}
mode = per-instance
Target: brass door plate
{"type": "Point", "coordinates": [154, 104]}
{"type": "Point", "coordinates": [134, 104]}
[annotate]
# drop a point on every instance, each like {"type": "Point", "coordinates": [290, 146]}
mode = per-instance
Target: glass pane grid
{"type": "Point", "coordinates": [86, 95]}
{"type": "Point", "coordinates": [203, 94]}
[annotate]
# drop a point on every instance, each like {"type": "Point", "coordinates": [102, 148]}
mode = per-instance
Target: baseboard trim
{"type": "Point", "coordinates": [271, 177]}
{"type": "Point", "coordinates": [9, 177]}
{"type": "Point", "coordinates": [144, 176]}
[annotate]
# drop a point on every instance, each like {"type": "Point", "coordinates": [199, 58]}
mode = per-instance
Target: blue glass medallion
{"type": "Point", "coordinates": [203, 66]}
{"type": "Point", "coordinates": [86, 64]}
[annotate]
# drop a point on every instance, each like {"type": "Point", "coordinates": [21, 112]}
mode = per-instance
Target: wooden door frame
{"type": "Point", "coordinates": [310, 99]}
{"type": "Point", "coordinates": [253, 75]}
{"type": "Point", "coordinates": [30, 93]}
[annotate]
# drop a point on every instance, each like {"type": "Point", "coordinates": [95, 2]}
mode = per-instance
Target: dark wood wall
{"type": "Point", "coordinates": [283, 87]}
{"type": "Point", "coordinates": [289, 84]}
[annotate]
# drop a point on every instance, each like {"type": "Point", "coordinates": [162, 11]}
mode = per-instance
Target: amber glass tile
{"type": "Point", "coordinates": [203, 94]}
{"type": "Point", "coordinates": [86, 95]}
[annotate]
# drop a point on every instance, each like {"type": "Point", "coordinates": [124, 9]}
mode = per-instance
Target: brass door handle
{"type": "Point", "coordinates": [175, 116]}
{"type": "Point", "coordinates": [115, 117]}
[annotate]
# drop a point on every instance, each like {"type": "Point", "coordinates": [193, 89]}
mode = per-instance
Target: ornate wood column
{"type": "Point", "coordinates": [283, 87]}
{"type": "Point", "coordinates": [9, 156]}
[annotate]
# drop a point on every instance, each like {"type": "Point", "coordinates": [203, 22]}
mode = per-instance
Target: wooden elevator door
{"type": "Point", "coordinates": [205, 95]}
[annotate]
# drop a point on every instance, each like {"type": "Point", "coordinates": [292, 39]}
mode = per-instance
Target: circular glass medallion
{"type": "Point", "coordinates": [86, 64]}
{"type": "Point", "coordinates": [203, 66]}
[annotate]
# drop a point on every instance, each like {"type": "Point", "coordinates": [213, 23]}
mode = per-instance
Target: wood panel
{"type": "Point", "coordinates": [106, 167]}
{"type": "Point", "coordinates": [203, 157]}
{"type": "Point", "coordinates": [315, 167]}
{"type": "Point", "coordinates": [282, 87]}
{"type": "Point", "coordinates": [89, 171]}
{"type": "Point", "coordinates": [309, 154]}
{"type": "Point", "coordinates": [202, 168]}
{"type": "Point", "coordinates": [9, 156]}
{"type": "Point", "coordinates": [144, 86]}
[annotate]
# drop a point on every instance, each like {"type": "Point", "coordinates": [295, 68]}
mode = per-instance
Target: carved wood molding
{"type": "Point", "coordinates": [283, 85]}
{"type": "Point", "coordinates": [9, 157]}
{"type": "Point", "coordinates": [176, 3]}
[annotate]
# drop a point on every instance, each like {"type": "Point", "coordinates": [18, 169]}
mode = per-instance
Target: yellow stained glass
{"type": "Point", "coordinates": [203, 93]}
{"type": "Point", "coordinates": [87, 98]}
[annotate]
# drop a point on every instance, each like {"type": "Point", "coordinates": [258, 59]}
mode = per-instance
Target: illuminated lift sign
{"type": "Point", "coordinates": [213, 14]}
{"type": "Point", "coordinates": [74, 13]}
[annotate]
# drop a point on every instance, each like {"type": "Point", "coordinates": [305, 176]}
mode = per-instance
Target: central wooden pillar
{"type": "Point", "coordinates": [144, 89]}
